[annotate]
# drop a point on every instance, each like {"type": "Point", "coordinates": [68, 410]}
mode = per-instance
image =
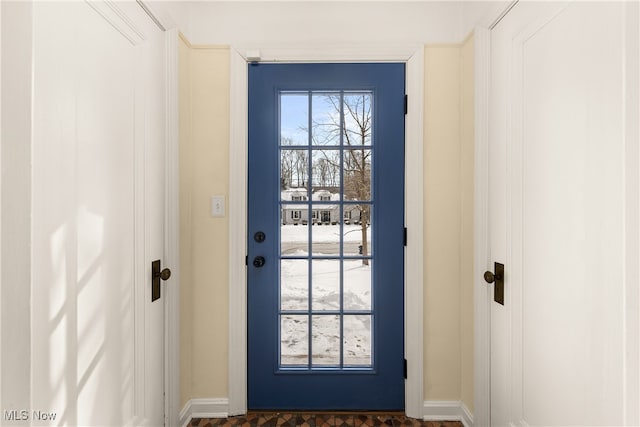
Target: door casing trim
{"type": "Point", "coordinates": [482, 296]}
{"type": "Point", "coordinates": [413, 56]}
{"type": "Point", "coordinates": [172, 234]}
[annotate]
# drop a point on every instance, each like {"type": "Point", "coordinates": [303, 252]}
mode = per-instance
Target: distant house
{"type": "Point", "coordinates": [297, 212]}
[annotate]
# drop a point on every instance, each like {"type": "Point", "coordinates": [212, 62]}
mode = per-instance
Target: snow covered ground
{"type": "Point", "coordinates": [325, 239]}
{"type": "Point", "coordinates": [325, 296]}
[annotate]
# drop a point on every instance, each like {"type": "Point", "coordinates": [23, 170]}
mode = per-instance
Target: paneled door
{"type": "Point", "coordinates": [558, 188]}
{"type": "Point", "coordinates": [326, 236]}
{"type": "Point", "coordinates": [98, 155]}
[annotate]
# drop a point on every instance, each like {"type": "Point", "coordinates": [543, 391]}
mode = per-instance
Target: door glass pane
{"type": "Point", "coordinates": [325, 279]}
{"type": "Point", "coordinates": [357, 174]}
{"type": "Point", "coordinates": [357, 118]}
{"type": "Point", "coordinates": [357, 340]}
{"type": "Point", "coordinates": [326, 119]}
{"type": "Point", "coordinates": [294, 234]}
{"type": "Point", "coordinates": [357, 284]}
{"type": "Point", "coordinates": [357, 232]}
{"type": "Point", "coordinates": [294, 284]}
{"type": "Point", "coordinates": [294, 118]}
{"type": "Point", "coordinates": [325, 232]}
{"type": "Point", "coordinates": [325, 174]}
{"type": "Point", "coordinates": [294, 174]}
{"type": "Point", "coordinates": [294, 340]}
{"type": "Point", "coordinates": [325, 340]}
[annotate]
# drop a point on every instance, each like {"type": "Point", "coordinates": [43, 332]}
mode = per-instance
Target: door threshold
{"type": "Point", "coordinates": [316, 412]}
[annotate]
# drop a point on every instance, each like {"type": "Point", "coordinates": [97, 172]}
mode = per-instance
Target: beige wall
{"type": "Point", "coordinates": [204, 172]}
{"type": "Point", "coordinates": [448, 223]}
{"type": "Point", "coordinates": [442, 346]}
{"type": "Point", "coordinates": [448, 341]}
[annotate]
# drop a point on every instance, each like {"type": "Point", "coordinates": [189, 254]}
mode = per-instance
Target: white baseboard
{"type": "Point", "coordinates": [467, 416]}
{"type": "Point", "coordinates": [433, 410]}
{"type": "Point", "coordinates": [447, 410]}
{"type": "Point", "coordinates": [203, 408]}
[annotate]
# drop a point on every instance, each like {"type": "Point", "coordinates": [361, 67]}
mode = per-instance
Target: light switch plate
{"type": "Point", "coordinates": [217, 206]}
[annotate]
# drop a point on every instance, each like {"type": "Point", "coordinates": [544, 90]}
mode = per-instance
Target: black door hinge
{"type": "Point", "coordinates": [406, 104]}
{"type": "Point", "coordinates": [405, 236]}
{"type": "Point", "coordinates": [405, 369]}
{"type": "Point", "coordinates": [246, 260]}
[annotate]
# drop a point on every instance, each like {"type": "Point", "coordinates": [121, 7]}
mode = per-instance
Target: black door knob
{"type": "Point", "coordinates": [496, 276]}
{"type": "Point", "coordinates": [165, 274]}
{"type": "Point", "coordinates": [489, 277]}
{"type": "Point", "coordinates": [258, 261]}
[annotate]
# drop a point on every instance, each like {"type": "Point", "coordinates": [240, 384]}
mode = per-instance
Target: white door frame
{"type": "Point", "coordinates": [171, 255]}
{"type": "Point", "coordinates": [413, 56]}
{"type": "Point", "coordinates": [171, 235]}
{"type": "Point", "coordinates": [481, 294]}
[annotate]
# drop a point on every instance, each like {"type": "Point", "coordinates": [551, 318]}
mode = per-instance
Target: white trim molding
{"type": "Point", "coordinates": [467, 416]}
{"type": "Point", "coordinates": [172, 238]}
{"type": "Point", "coordinates": [482, 361]}
{"type": "Point", "coordinates": [16, 178]}
{"type": "Point", "coordinates": [1, 404]}
{"type": "Point", "coordinates": [118, 19]}
{"type": "Point", "coordinates": [413, 56]}
{"type": "Point", "coordinates": [203, 408]}
{"type": "Point", "coordinates": [632, 214]}
{"type": "Point", "coordinates": [414, 221]}
{"type": "Point", "coordinates": [238, 235]}
{"type": "Point", "coordinates": [447, 410]}
{"type": "Point", "coordinates": [331, 53]}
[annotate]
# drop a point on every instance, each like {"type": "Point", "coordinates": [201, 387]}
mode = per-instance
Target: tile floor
{"type": "Point", "coordinates": [319, 420]}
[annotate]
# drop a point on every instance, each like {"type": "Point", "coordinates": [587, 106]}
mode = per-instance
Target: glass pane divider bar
{"type": "Point", "coordinates": [326, 312]}
{"type": "Point", "coordinates": [309, 229]}
{"type": "Point", "coordinates": [342, 228]}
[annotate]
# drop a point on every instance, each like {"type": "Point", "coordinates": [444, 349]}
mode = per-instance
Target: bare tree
{"type": "Point", "coordinates": [287, 163]}
{"type": "Point", "coordinates": [321, 172]}
{"type": "Point", "coordinates": [326, 168]}
{"type": "Point", "coordinates": [294, 166]}
{"type": "Point", "coordinates": [351, 119]}
{"type": "Point", "coordinates": [301, 167]}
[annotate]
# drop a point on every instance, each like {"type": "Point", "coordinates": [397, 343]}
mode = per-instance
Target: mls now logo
{"type": "Point", "coordinates": [16, 415]}
{"type": "Point", "coordinates": [24, 415]}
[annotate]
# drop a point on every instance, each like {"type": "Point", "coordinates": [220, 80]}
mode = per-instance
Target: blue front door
{"type": "Point", "coordinates": [326, 237]}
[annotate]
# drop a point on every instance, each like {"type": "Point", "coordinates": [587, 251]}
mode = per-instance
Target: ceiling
{"type": "Point", "coordinates": [313, 22]}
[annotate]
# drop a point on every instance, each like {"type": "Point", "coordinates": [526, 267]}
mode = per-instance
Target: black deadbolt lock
{"type": "Point", "coordinates": [258, 261]}
{"type": "Point", "coordinates": [259, 237]}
